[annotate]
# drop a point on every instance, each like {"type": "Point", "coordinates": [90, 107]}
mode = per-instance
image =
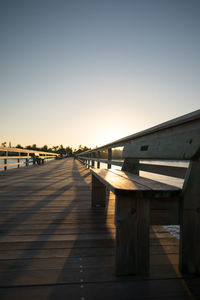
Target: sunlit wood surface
{"type": "Point", "coordinates": [53, 245]}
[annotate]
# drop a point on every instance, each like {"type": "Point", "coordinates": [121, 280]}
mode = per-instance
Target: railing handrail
{"type": "Point", "coordinates": [19, 150]}
{"type": "Point", "coordinates": [171, 123]}
{"type": "Point", "coordinates": [41, 156]}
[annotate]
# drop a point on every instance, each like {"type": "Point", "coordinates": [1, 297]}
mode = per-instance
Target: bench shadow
{"type": "Point", "coordinates": [89, 244]}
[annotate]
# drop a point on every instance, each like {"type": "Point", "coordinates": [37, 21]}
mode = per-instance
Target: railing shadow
{"type": "Point", "coordinates": [91, 237]}
{"type": "Point", "coordinates": [91, 243]}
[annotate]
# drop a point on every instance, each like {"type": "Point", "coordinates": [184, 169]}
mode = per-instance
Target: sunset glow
{"type": "Point", "coordinates": [90, 72]}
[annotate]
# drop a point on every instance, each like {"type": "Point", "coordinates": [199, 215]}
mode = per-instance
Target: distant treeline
{"type": "Point", "coordinates": [69, 151]}
{"type": "Point", "coordinates": [116, 154]}
{"type": "Point", "coordinates": [60, 149]}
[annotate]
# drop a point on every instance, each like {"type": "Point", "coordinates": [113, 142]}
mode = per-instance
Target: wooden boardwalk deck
{"type": "Point", "coordinates": [53, 245]}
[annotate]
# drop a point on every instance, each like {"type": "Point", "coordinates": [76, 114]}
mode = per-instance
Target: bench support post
{"type": "Point", "coordinates": [132, 235]}
{"type": "Point", "coordinates": [131, 165]}
{"type": "Point", "coordinates": [190, 221]}
{"type": "Point", "coordinates": [98, 193]}
{"type": "Point", "coordinates": [109, 165]}
{"type": "Point", "coordinates": [98, 161]}
{"type": "Point", "coordinates": [92, 156]}
{"type": "Point", "coordinates": [88, 163]}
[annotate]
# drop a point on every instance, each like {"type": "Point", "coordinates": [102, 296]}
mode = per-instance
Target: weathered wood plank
{"type": "Point", "coordinates": [179, 142]}
{"type": "Point", "coordinates": [178, 172]}
{"type": "Point", "coordinates": [190, 221]}
{"type": "Point", "coordinates": [98, 193]}
{"type": "Point", "coordinates": [126, 183]}
{"type": "Point", "coordinates": [132, 236]}
{"type": "Point", "coordinates": [46, 232]}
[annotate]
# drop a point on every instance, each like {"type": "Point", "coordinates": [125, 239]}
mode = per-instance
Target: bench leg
{"type": "Point", "coordinates": [98, 193]}
{"type": "Point", "coordinates": [132, 236]}
{"type": "Point", "coordinates": [189, 258]}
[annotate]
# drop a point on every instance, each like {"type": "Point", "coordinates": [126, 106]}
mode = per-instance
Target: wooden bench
{"type": "Point", "coordinates": [141, 201]}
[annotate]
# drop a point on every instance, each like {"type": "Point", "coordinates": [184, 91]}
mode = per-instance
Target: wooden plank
{"type": "Point", "coordinates": [165, 211]}
{"type": "Point", "coordinates": [182, 142]}
{"type": "Point", "coordinates": [18, 150]}
{"type": "Point", "coordinates": [178, 172]}
{"type": "Point", "coordinates": [190, 221]}
{"type": "Point", "coordinates": [12, 164]}
{"type": "Point", "coordinates": [168, 290]}
{"type": "Point", "coordinates": [98, 193]}
{"type": "Point", "coordinates": [132, 236]}
{"type": "Point", "coordinates": [49, 230]}
{"type": "Point", "coordinates": [124, 182]}
{"type": "Point", "coordinates": [109, 158]}
{"type": "Point", "coordinates": [150, 184]}
{"type": "Point", "coordinates": [131, 165]}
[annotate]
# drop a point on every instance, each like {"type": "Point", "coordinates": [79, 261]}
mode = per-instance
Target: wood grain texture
{"type": "Point", "coordinates": [190, 221]}
{"type": "Point", "coordinates": [126, 183]}
{"type": "Point", "coordinates": [132, 236]}
{"type": "Point", "coordinates": [181, 142]}
{"type": "Point", "coordinates": [47, 225]}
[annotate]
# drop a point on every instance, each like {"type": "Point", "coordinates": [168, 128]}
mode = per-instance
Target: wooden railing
{"type": "Point", "coordinates": [186, 122]}
{"type": "Point", "coordinates": [138, 202]}
{"type": "Point", "coordinates": [22, 156]}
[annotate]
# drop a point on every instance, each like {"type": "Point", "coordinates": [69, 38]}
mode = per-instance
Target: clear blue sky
{"type": "Point", "coordinates": [89, 72]}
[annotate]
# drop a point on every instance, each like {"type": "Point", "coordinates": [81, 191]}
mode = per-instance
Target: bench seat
{"type": "Point", "coordinates": [171, 149]}
{"type": "Point", "coordinates": [139, 202]}
{"type": "Point", "coordinates": [125, 183]}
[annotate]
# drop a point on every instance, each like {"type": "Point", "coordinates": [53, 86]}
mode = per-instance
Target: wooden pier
{"type": "Point", "coordinates": [53, 245]}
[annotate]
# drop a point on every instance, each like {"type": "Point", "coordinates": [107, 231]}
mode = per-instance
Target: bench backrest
{"type": "Point", "coordinates": [178, 139]}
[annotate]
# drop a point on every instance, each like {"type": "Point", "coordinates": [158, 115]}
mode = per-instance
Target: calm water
{"type": "Point", "coordinates": [12, 161]}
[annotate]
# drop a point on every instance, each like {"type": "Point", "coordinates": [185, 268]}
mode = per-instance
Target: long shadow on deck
{"type": "Point", "coordinates": [88, 267]}
{"type": "Point", "coordinates": [92, 247]}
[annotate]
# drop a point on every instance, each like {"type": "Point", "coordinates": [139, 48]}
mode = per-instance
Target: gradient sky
{"type": "Point", "coordinates": [89, 72]}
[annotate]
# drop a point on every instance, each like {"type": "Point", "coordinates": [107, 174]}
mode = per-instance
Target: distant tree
{"type": "Point", "coordinates": [117, 153]}
{"type": "Point", "coordinates": [85, 148]}
{"type": "Point", "coordinates": [28, 147]}
{"type": "Point", "coordinates": [44, 148]}
{"type": "Point", "coordinates": [61, 150]}
{"type": "Point", "coordinates": [34, 147]}
{"type": "Point", "coordinates": [19, 146]}
{"type": "Point", "coordinates": [68, 151]}
{"type": "Point", "coordinates": [3, 144]}
{"type": "Point", "coordinates": [81, 149]}
{"type": "Point", "coordinates": [55, 148]}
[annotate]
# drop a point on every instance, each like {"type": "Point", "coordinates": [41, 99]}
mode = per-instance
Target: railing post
{"type": "Point", "coordinates": [189, 254]}
{"type": "Point", "coordinates": [27, 160]}
{"type": "Point", "coordinates": [34, 159]}
{"type": "Point", "coordinates": [131, 165]}
{"type": "Point", "coordinates": [98, 161]}
{"type": "Point", "coordinates": [18, 160]}
{"type": "Point", "coordinates": [109, 157]}
{"type": "Point", "coordinates": [5, 161]}
{"type": "Point", "coordinates": [92, 156]}
{"type": "Point", "coordinates": [88, 161]}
